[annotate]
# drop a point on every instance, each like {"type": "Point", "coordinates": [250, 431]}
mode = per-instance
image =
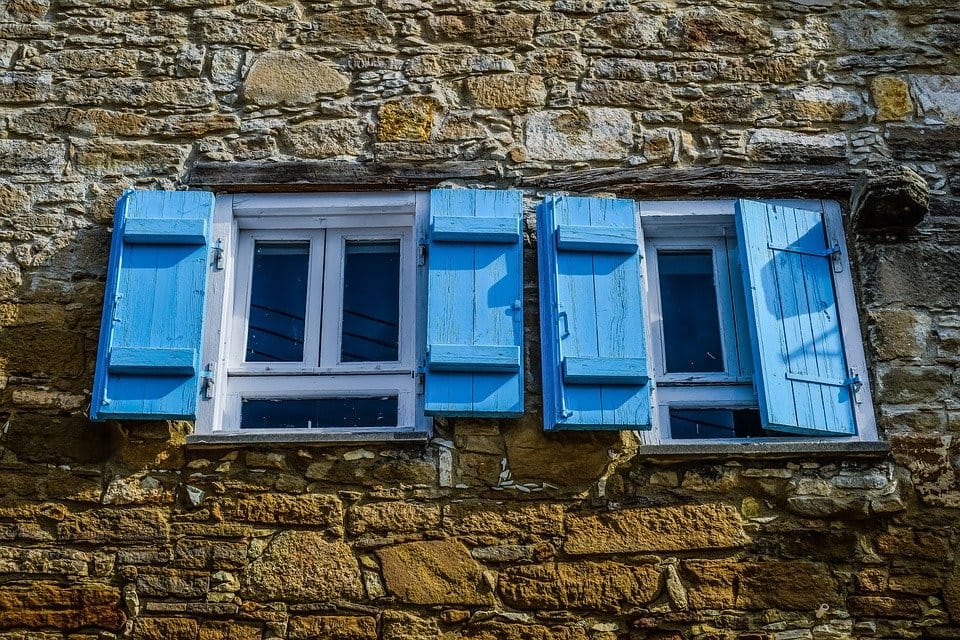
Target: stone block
{"type": "Point", "coordinates": [354, 27]}
{"type": "Point", "coordinates": [598, 586]}
{"type": "Point", "coordinates": [508, 91]}
{"type": "Point", "coordinates": [867, 30]}
{"type": "Point", "coordinates": [332, 628]}
{"type": "Point", "coordinates": [659, 529]}
{"type": "Point", "coordinates": [399, 625]}
{"type": "Point", "coordinates": [324, 139]}
{"type": "Point", "coordinates": [99, 526]}
{"type": "Point", "coordinates": [433, 572]}
{"type": "Point", "coordinates": [138, 92]}
{"type": "Point", "coordinates": [624, 30]}
{"type": "Point", "coordinates": [48, 606]}
{"type": "Point", "coordinates": [410, 119]}
{"type": "Point", "coordinates": [527, 631]}
{"type": "Point", "coordinates": [291, 78]}
{"type": "Point", "coordinates": [485, 29]}
{"type": "Point", "coordinates": [792, 585]}
{"type": "Point", "coordinates": [83, 61]}
{"type": "Point", "coordinates": [502, 520]}
{"type": "Point", "coordinates": [622, 93]}
{"type": "Point", "coordinates": [392, 518]}
{"type": "Point", "coordinates": [915, 384]}
{"type": "Point", "coordinates": [22, 86]}
{"type": "Point", "coordinates": [105, 157]}
{"type": "Point", "coordinates": [225, 28]}
{"type": "Point", "coordinates": [21, 157]}
{"type": "Point", "coordinates": [717, 31]}
{"type": "Point", "coordinates": [891, 95]}
{"type": "Point", "coordinates": [883, 607]}
{"type": "Point", "coordinates": [302, 566]}
{"type": "Point", "coordinates": [230, 630]}
{"type": "Point", "coordinates": [923, 142]}
{"type": "Point", "coordinates": [177, 583]}
{"type": "Point", "coordinates": [315, 510]}
{"type": "Point", "coordinates": [571, 458]}
{"type": "Point", "coordinates": [62, 562]}
{"type": "Point", "coordinates": [36, 437]}
{"type": "Point", "coordinates": [936, 97]}
{"type": "Point", "coordinates": [774, 145]}
{"type": "Point", "coordinates": [149, 628]}
{"type": "Point", "coordinates": [900, 333]}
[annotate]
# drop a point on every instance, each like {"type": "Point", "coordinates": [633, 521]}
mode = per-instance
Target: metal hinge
{"type": "Point", "coordinates": [856, 385]}
{"type": "Point", "coordinates": [218, 254]}
{"type": "Point", "coordinates": [208, 383]}
{"type": "Point", "coordinates": [834, 253]}
{"type": "Point", "coordinates": [421, 376]}
{"type": "Point", "coordinates": [422, 254]}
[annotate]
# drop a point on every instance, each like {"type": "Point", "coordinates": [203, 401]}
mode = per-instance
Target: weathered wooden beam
{"type": "Point", "coordinates": [889, 200]}
{"type": "Point", "coordinates": [663, 182]}
{"type": "Point", "coordinates": [331, 176]}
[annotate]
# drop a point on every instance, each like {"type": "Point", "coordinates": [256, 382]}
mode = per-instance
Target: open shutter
{"type": "Point", "coordinates": [593, 332]}
{"type": "Point", "coordinates": [800, 370]}
{"type": "Point", "coordinates": [149, 353]}
{"type": "Point", "coordinates": [475, 314]}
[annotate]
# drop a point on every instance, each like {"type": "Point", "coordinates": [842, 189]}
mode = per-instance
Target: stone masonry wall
{"type": "Point", "coordinates": [493, 531]}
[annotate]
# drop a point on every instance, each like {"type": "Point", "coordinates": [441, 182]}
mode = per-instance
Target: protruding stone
{"type": "Point", "coordinates": [291, 78]}
{"type": "Point", "coordinates": [892, 199]}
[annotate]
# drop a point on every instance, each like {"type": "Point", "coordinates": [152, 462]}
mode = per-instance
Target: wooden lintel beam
{"type": "Point", "coordinates": [663, 182]}
{"type": "Point", "coordinates": [332, 176]}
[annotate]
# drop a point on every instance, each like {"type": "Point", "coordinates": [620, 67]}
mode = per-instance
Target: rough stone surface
{"type": "Point", "coordinates": [302, 566]}
{"type": "Point", "coordinates": [722, 584]}
{"type": "Point", "coordinates": [695, 527]}
{"type": "Point", "coordinates": [290, 78]}
{"type": "Point", "coordinates": [435, 572]}
{"type": "Point", "coordinates": [604, 586]}
{"type": "Point", "coordinates": [579, 134]}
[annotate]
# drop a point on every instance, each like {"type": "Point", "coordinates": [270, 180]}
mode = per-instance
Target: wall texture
{"type": "Point", "coordinates": [493, 531]}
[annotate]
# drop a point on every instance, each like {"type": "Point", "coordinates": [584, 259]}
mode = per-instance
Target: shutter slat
{"type": "Point", "coordinates": [475, 321]}
{"type": "Point", "coordinates": [593, 331]}
{"type": "Point", "coordinates": [474, 230]}
{"type": "Point", "coordinates": [596, 239]}
{"type": "Point", "coordinates": [153, 362]}
{"type": "Point", "coordinates": [800, 367]}
{"type": "Point", "coordinates": [152, 321]}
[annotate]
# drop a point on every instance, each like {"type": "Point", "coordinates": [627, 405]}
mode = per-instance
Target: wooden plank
{"type": "Point", "coordinates": [153, 362]}
{"type": "Point", "coordinates": [478, 230]}
{"type": "Point", "coordinates": [251, 177]}
{"type": "Point", "coordinates": [454, 357]}
{"type": "Point", "coordinates": [596, 239]}
{"type": "Point", "coordinates": [631, 371]}
{"type": "Point", "coordinates": [159, 231]}
{"type": "Point", "coordinates": [700, 182]}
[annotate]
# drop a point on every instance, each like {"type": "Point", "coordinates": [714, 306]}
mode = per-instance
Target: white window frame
{"type": "Point", "coordinates": [328, 221]}
{"type": "Point", "coordinates": [698, 224]}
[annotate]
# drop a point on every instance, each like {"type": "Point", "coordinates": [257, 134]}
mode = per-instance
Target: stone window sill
{"type": "Point", "coordinates": [766, 450]}
{"type": "Point", "coordinates": [332, 439]}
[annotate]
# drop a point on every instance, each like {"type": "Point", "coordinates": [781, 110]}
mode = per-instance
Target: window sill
{"type": "Point", "coordinates": [766, 450]}
{"type": "Point", "coordinates": [241, 438]}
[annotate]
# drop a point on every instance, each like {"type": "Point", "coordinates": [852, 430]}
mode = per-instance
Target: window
{"type": "Point", "coordinates": [318, 318]}
{"type": "Point", "coordinates": [304, 317]}
{"type": "Point", "coordinates": [702, 321]}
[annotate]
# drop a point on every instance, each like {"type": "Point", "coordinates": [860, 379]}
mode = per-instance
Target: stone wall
{"type": "Point", "coordinates": [493, 531]}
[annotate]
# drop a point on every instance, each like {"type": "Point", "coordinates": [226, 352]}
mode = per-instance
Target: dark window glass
{"type": "Point", "coordinates": [371, 302]}
{"type": "Point", "coordinates": [318, 413]}
{"type": "Point", "coordinates": [717, 423]}
{"type": "Point", "coordinates": [278, 302]}
{"type": "Point", "coordinates": [691, 324]}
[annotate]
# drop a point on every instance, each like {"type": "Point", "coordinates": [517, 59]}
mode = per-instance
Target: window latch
{"type": "Point", "coordinates": [208, 382]}
{"type": "Point", "coordinates": [218, 254]}
{"type": "Point", "coordinates": [856, 385]}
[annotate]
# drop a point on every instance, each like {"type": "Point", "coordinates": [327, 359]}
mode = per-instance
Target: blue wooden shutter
{"type": "Point", "coordinates": [149, 354]}
{"type": "Point", "coordinates": [593, 330]}
{"type": "Point", "coordinates": [475, 314]}
{"type": "Point", "coordinates": [800, 369]}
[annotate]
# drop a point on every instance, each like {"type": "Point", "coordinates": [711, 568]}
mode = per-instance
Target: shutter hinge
{"type": "Point", "coordinates": [856, 385]}
{"type": "Point", "coordinates": [421, 376]}
{"type": "Point", "coordinates": [836, 258]}
{"type": "Point", "coordinates": [422, 254]}
{"type": "Point", "coordinates": [207, 377]}
{"type": "Point", "coordinates": [218, 254]}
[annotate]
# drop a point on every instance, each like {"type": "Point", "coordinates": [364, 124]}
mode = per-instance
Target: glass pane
{"type": "Point", "coordinates": [318, 413]}
{"type": "Point", "coordinates": [717, 423]}
{"type": "Point", "coordinates": [278, 302]}
{"type": "Point", "coordinates": [691, 324]}
{"type": "Point", "coordinates": [371, 302]}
